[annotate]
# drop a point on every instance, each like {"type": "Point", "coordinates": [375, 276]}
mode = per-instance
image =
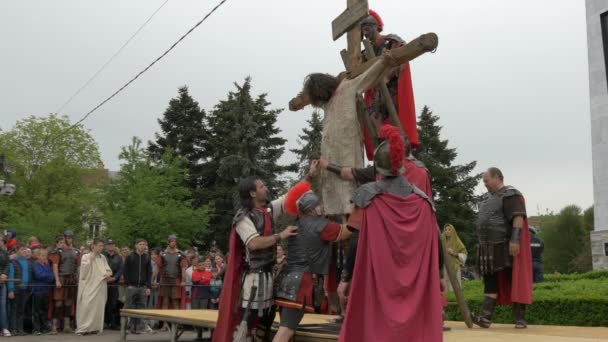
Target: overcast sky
{"type": "Point", "coordinates": [509, 79]}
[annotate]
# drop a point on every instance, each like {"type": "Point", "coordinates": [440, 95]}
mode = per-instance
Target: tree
{"type": "Point", "coordinates": [567, 244]}
{"type": "Point", "coordinates": [310, 143]}
{"type": "Point", "coordinates": [243, 140]}
{"type": "Point", "coordinates": [453, 185]}
{"type": "Point", "coordinates": [57, 171]}
{"type": "Point", "coordinates": [151, 200]}
{"type": "Point", "coordinates": [183, 131]}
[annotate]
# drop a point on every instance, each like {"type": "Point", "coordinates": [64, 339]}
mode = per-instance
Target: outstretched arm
{"type": "Point", "coordinates": [299, 102]}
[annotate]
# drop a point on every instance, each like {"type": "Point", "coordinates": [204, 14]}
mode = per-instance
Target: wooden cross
{"type": "Point", "coordinates": [348, 22]}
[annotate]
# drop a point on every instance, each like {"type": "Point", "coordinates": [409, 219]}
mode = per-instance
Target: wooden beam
{"type": "Point", "coordinates": [349, 18]}
{"type": "Point", "coordinates": [425, 43]}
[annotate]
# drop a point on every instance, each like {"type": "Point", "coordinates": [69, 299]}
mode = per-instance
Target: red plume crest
{"type": "Point", "coordinates": [293, 195]}
{"type": "Point", "coordinates": [377, 17]}
{"type": "Point", "coordinates": [396, 146]}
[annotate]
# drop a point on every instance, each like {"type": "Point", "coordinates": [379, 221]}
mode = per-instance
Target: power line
{"type": "Point", "coordinates": [143, 71]}
{"type": "Point", "coordinates": [111, 59]}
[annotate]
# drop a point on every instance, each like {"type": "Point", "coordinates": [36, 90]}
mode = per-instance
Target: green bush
{"type": "Point", "coordinates": [569, 299]}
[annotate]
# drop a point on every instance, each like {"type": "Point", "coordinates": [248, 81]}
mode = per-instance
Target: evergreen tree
{"type": "Point", "coordinates": [453, 185]}
{"type": "Point", "coordinates": [150, 200]}
{"type": "Point", "coordinates": [243, 141]}
{"type": "Point", "coordinates": [567, 244]}
{"type": "Point", "coordinates": [183, 132]}
{"type": "Point", "coordinates": [310, 143]}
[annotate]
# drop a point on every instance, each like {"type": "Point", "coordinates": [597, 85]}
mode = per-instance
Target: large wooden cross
{"type": "Point", "coordinates": [348, 22]}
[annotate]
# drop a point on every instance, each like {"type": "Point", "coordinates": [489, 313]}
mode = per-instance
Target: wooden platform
{"type": "Point", "coordinates": [459, 333]}
{"type": "Point", "coordinates": [208, 318]}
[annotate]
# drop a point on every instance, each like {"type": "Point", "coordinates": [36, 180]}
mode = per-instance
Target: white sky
{"type": "Point", "coordinates": [509, 79]}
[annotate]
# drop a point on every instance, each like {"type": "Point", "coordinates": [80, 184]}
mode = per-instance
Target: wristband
{"type": "Point", "coordinates": [335, 168]}
{"type": "Point", "coordinates": [277, 238]}
{"type": "Point", "coordinates": [516, 235]}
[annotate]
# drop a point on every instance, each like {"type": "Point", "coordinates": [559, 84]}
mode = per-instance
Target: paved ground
{"type": "Point", "coordinates": [498, 333]}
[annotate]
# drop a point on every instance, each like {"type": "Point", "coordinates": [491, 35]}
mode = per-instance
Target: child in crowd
{"type": "Point", "coordinates": [215, 288]}
{"type": "Point", "coordinates": [201, 278]}
{"type": "Point", "coordinates": [43, 279]}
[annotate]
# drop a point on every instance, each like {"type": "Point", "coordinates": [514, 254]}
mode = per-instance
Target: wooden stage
{"type": "Point", "coordinates": [313, 328]}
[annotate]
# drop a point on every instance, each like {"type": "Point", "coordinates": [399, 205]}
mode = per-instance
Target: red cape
{"type": "Point", "coordinates": [407, 111]}
{"type": "Point", "coordinates": [230, 300]}
{"type": "Point", "coordinates": [418, 176]}
{"type": "Point", "coordinates": [395, 285]}
{"type": "Point", "coordinates": [517, 286]}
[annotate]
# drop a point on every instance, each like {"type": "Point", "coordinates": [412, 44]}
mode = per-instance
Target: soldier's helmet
{"type": "Point", "coordinates": [308, 202]}
{"type": "Point", "coordinates": [389, 155]}
{"type": "Point", "coordinates": [68, 233]}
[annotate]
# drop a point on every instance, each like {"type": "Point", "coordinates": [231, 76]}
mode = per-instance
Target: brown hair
{"type": "Point", "coordinates": [320, 88]}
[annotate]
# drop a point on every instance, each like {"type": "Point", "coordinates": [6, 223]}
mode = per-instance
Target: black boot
{"type": "Point", "coordinates": [519, 313]}
{"type": "Point", "coordinates": [487, 311]}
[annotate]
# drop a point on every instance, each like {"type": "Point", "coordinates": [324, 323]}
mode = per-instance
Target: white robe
{"type": "Point", "coordinates": [342, 141]}
{"type": "Point", "coordinates": [92, 293]}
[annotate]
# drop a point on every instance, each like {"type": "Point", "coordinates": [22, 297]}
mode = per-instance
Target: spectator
{"type": "Point", "coordinates": [43, 280]}
{"type": "Point", "coordinates": [125, 251]}
{"type": "Point", "coordinates": [92, 290]}
{"type": "Point", "coordinates": [201, 278]}
{"type": "Point", "coordinates": [188, 278]}
{"type": "Point", "coordinates": [33, 243]}
{"type": "Point", "coordinates": [122, 292]}
{"type": "Point", "coordinates": [213, 252]}
{"type": "Point", "coordinates": [281, 259]}
{"type": "Point", "coordinates": [456, 250]}
{"type": "Point", "coordinates": [19, 294]}
{"type": "Point", "coordinates": [11, 241]}
{"type": "Point", "coordinates": [4, 270]}
{"type": "Point", "coordinates": [219, 265]}
{"type": "Point", "coordinates": [112, 313]}
{"type": "Point", "coordinates": [215, 289]}
{"type": "Point", "coordinates": [138, 278]}
{"type": "Point", "coordinates": [537, 247]}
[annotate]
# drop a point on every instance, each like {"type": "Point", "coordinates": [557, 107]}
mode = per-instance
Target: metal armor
{"type": "Point", "coordinates": [494, 231]}
{"type": "Point", "coordinates": [307, 253]}
{"type": "Point", "coordinates": [67, 265]}
{"type": "Point", "coordinates": [261, 259]}
{"type": "Point", "coordinates": [171, 264]}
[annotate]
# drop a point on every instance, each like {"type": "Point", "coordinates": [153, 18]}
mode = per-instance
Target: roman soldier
{"type": "Point", "coordinates": [247, 295]}
{"type": "Point", "coordinates": [398, 82]}
{"type": "Point", "coordinates": [504, 253]}
{"type": "Point", "coordinates": [395, 222]}
{"type": "Point", "coordinates": [172, 268]}
{"type": "Point", "coordinates": [308, 260]}
{"type": "Point", "coordinates": [65, 259]}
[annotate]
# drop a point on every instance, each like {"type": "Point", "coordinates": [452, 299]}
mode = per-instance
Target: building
{"type": "Point", "coordinates": [597, 44]}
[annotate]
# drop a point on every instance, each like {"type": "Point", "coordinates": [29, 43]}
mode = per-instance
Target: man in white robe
{"type": "Point", "coordinates": [92, 290]}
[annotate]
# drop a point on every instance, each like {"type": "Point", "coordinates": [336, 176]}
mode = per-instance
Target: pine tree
{"type": "Point", "coordinates": [310, 143]}
{"type": "Point", "coordinates": [453, 185]}
{"type": "Point", "coordinates": [183, 132]}
{"type": "Point", "coordinates": [243, 141]}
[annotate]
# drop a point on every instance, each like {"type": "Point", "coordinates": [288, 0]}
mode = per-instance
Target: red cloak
{"type": "Point", "coordinates": [406, 110]}
{"type": "Point", "coordinates": [229, 315]}
{"type": "Point", "coordinates": [394, 294]}
{"type": "Point", "coordinates": [418, 176]}
{"type": "Point", "coordinates": [517, 286]}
